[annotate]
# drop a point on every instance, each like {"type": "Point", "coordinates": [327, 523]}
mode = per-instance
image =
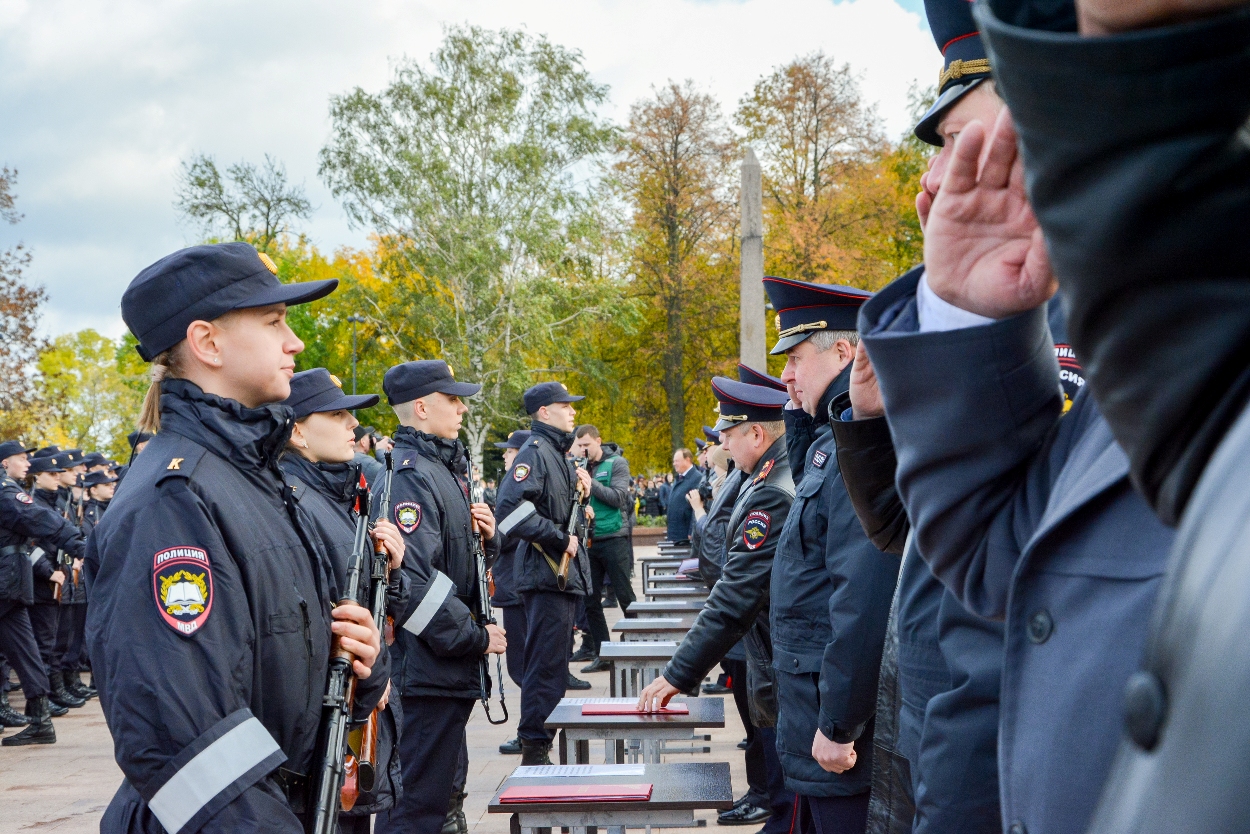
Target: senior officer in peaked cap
{"type": "Point", "coordinates": [753, 434]}
{"type": "Point", "coordinates": [832, 586]}
{"type": "Point", "coordinates": [535, 503]}
{"type": "Point", "coordinates": [439, 641]}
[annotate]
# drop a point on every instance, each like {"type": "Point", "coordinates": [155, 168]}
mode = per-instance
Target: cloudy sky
{"type": "Point", "coordinates": [101, 101]}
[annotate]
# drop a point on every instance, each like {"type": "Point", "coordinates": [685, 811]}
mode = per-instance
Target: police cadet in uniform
{"type": "Point", "coordinates": [213, 606]}
{"type": "Point", "coordinates": [506, 599]}
{"type": "Point", "coordinates": [23, 520]}
{"type": "Point", "coordinates": [99, 486]}
{"type": "Point", "coordinates": [833, 587]}
{"type": "Point", "coordinates": [323, 479]}
{"type": "Point", "coordinates": [535, 504]}
{"type": "Point", "coordinates": [753, 433]}
{"type": "Point", "coordinates": [439, 643]}
{"type": "Point", "coordinates": [72, 622]}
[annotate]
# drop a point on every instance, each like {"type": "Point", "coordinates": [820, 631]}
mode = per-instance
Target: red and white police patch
{"type": "Point", "coordinates": [23, 497]}
{"type": "Point", "coordinates": [818, 459]}
{"type": "Point", "coordinates": [520, 472]}
{"type": "Point", "coordinates": [755, 529]}
{"type": "Point", "coordinates": [182, 581]}
{"type": "Point", "coordinates": [407, 516]}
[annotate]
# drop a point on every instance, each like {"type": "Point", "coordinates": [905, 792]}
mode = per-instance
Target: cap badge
{"type": "Point", "coordinates": [268, 262]}
{"type": "Point", "coordinates": [338, 383]}
{"type": "Point", "coordinates": [451, 371]}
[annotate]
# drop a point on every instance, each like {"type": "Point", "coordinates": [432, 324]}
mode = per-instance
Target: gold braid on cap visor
{"type": "Point", "coordinates": [959, 68]}
{"type": "Point", "coordinates": [803, 328]}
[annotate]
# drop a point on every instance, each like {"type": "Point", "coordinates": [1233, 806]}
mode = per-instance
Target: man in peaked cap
{"type": "Point", "coordinates": [753, 434]}
{"type": "Point", "coordinates": [832, 587]}
{"type": "Point", "coordinates": [751, 376]}
{"type": "Point", "coordinates": [439, 641]}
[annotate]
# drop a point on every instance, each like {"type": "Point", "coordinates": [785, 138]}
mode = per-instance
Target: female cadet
{"type": "Point", "coordinates": [319, 470]}
{"type": "Point", "coordinates": [212, 614]}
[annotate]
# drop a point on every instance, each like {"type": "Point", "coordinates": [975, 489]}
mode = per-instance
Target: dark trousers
{"type": "Point", "coordinates": [431, 740]}
{"type": "Point", "coordinates": [834, 814]}
{"type": "Point", "coordinates": [780, 801]}
{"type": "Point", "coordinates": [514, 625]}
{"type": "Point", "coordinates": [45, 619]}
{"type": "Point", "coordinates": [610, 557]}
{"type": "Point", "coordinates": [462, 767]}
{"type": "Point", "coordinates": [17, 644]}
{"type": "Point", "coordinates": [757, 775]}
{"type": "Point", "coordinates": [71, 627]}
{"type": "Point", "coordinates": [549, 623]}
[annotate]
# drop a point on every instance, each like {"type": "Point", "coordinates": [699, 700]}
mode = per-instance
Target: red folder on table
{"type": "Point", "coordinates": [576, 793]}
{"type": "Point", "coordinates": [632, 709]}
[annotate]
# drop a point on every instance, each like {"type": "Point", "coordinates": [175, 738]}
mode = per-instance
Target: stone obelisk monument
{"type": "Point", "coordinates": [752, 350]}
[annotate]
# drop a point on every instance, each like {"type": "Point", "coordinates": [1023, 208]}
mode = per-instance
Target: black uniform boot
{"type": "Point", "coordinates": [511, 748]}
{"type": "Point", "coordinates": [40, 730]}
{"type": "Point", "coordinates": [75, 686]}
{"type": "Point", "coordinates": [60, 695]}
{"type": "Point", "coordinates": [456, 822]}
{"type": "Point", "coordinates": [10, 717]}
{"type": "Point", "coordinates": [57, 711]}
{"type": "Point", "coordinates": [532, 752]}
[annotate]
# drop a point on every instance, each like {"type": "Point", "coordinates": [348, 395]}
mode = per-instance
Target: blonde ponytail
{"type": "Point", "coordinates": [164, 366]}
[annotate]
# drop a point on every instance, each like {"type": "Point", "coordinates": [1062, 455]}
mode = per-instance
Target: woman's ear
{"type": "Point", "coordinates": [203, 343]}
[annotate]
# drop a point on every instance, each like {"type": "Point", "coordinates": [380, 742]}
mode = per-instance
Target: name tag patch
{"type": "Point", "coordinates": [755, 529]}
{"type": "Point", "coordinates": [818, 459]}
{"type": "Point", "coordinates": [182, 581]}
{"type": "Point", "coordinates": [407, 516]}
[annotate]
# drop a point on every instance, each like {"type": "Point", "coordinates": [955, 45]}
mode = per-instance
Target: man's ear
{"type": "Point", "coordinates": [846, 351]}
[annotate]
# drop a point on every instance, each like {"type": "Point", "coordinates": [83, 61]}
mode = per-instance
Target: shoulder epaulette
{"type": "Point", "coordinates": [408, 460]}
{"type": "Point", "coordinates": [180, 460]}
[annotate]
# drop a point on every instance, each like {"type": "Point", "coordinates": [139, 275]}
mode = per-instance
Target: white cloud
{"type": "Point", "coordinates": [103, 99]}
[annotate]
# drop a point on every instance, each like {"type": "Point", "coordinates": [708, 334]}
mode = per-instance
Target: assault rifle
{"type": "Point", "coordinates": [485, 616]}
{"type": "Point", "coordinates": [577, 514]}
{"type": "Point", "coordinates": [341, 686]}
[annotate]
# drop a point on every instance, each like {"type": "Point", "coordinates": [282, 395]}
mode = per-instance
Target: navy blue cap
{"type": "Point", "coordinates": [546, 393]}
{"type": "Point", "coordinates": [964, 61]}
{"type": "Point", "coordinates": [71, 457]}
{"type": "Point", "coordinates": [318, 390]}
{"type": "Point", "coordinates": [47, 450]}
{"type": "Point", "coordinates": [202, 283]}
{"type": "Point", "coordinates": [700, 444]}
{"type": "Point", "coordinates": [47, 463]}
{"type": "Point", "coordinates": [803, 308]}
{"type": "Point", "coordinates": [9, 448]}
{"type": "Point", "coordinates": [96, 478]}
{"type": "Point", "coordinates": [739, 402]}
{"type": "Point", "coordinates": [711, 435]}
{"type": "Point", "coordinates": [136, 437]}
{"type": "Point", "coordinates": [754, 377]}
{"type": "Point", "coordinates": [94, 459]}
{"type": "Point", "coordinates": [515, 440]}
{"type": "Point", "coordinates": [413, 380]}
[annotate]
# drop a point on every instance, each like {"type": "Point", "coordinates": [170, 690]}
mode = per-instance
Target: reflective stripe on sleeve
{"type": "Point", "coordinates": [523, 511]}
{"type": "Point", "coordinates": [439, 589]}
{"type": "Point", "coordinates": [211, 771]}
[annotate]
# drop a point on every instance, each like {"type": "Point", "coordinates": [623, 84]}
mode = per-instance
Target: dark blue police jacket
{"type": "Point", "coordinates": [831, 593]}
{"type": "Point", "coordinates": [23, 518]}
{"type": "Point", "coordinates": [1010, 502]}
{"type": "Point", "coordinates": [209, 624]}
{"type": "Point", "coordinates": [680, 513]}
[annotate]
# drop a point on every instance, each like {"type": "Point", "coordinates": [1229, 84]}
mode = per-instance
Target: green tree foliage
{"type": "Point", "coordinates": [251, 203]}
{"type": "Point", "coordinates": [465, 167]}
{"type": "Point", "coordinates": [88, 397]}
{"type": "Point", "coordinates": [19, 318]}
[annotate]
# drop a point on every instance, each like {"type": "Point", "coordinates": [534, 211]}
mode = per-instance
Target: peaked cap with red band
{"type": "Point", "coordinates": [803, 308]}
{"type": "Point", "coordinates": [739, 402]}
{"type": "Point", "coordinates": [964, 62]}
{"type": "Point", "coordinates": [753, 377]}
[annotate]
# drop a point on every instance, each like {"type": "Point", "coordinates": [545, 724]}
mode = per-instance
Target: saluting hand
{"type": "Point", "coordinates": [831, 756]}
{"type": "Point", "coordinates": [983, 247]}
{"type": "Point", "coordinates": [389, 536]}
{"type": "Point", "coordinates": [358, 634]}
{"type": "Point", "coordinates": [485, 519]}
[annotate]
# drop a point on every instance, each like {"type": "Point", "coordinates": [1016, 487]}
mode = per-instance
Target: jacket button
{"type": "Point", "coordinates": [1145, 707]}
{"type": "Point", "coordinates": [1040, 626]}
{"type": "Point", "coordinates": [1017, 828]}
{"type": "Point", "coordinates": [796, 663]}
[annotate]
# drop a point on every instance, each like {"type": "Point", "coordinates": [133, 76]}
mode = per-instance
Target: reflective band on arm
{"type": "Point", "coordinates": [523, 511]}
{"type": "Point", "coordinates": [211, 771]}
{"type": "Point", "coordinates": [439, 589]}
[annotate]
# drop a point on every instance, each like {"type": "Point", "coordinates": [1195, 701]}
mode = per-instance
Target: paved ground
{"type": "Point", "coordinates": [65, 787]}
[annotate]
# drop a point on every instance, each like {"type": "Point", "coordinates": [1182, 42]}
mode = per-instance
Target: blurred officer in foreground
{"type": "Point", "coordinates": [213, 608]}
{"type": "Point", "coordinates": [439, 643]}
{"type": "Point", "coordinates": [21, 520]}
{"type": "Point", "coordinates": [832, 587]}
{"type": "Point", "coordinates": [322, 478]}
{"type": "Point", "coordinates": [506, 598]}
{"type": "Point", "coordinates": [536, 502]}
{"type": "Point", "coordinates": [1135, 148]}
{"type": "Point", "coordinates": [753, 433]}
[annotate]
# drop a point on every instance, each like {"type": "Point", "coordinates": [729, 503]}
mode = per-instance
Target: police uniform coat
{"type": "Point", "coordinates": [22, 519]}
{"type": "Point", "coordinates": [737, 608]}
{"type": "Point", "coordinates": [712, 533]}
{"type": "Point", "coordinates": [1030, 518]}
{"type": "Point", "coordinates": [831, 601]}
{"type": "Point", "coordinates": [209, 627]}
{"type": "Point", "coordinates": [534, 505]}
{"type": "Point", "coordinates": [61, 502]}
{"type": "Point", "coordinates": [438, 640]}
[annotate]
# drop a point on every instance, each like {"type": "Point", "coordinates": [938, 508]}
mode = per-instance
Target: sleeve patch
{"type": "Point", "coordinates": [755, 529]}
{"type": "Point", "coordinates": [23, 497]}
{"type": "Point", "coordinates": [407, 516]}
{"type": "Point", "coordinates": [182, 580]}
{"type": "Point", "coordinates": [819, 458]}
{"type": "Point", "coordinates": [520, 472]}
